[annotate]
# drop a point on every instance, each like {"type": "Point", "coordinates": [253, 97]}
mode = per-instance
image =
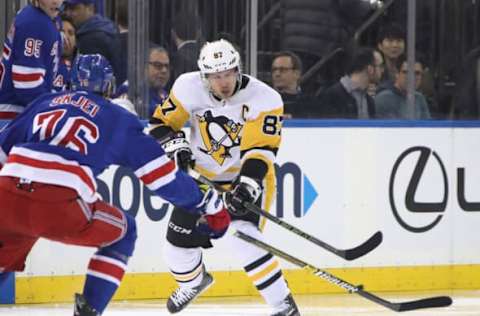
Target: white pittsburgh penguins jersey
{"type": "Point", "coordinates": [248, 123]}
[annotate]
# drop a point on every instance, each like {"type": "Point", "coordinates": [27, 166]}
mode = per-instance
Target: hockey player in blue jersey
{"type": "Point", "coordinates": [30, 58]}
{"type": "Point", "coordinates": [49, 158]}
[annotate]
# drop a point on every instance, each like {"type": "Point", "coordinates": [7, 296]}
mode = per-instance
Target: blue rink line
{"type": "Point", "coordinates": [298, 123]}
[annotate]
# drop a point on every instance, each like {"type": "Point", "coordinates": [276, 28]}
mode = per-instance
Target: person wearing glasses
{"type": "Point", "coordinates": [392, 103]}
{"type": "Point", "coordinates": [286, 73]}
{"type": "Point", "coordinates": [158, 75]}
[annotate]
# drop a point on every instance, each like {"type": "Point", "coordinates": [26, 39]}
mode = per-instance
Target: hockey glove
{"type": "Point", "coordinates": [215, 219]}
{"type": "Point", "coordinates": [247, 190]}
{"type": "Point", "coordinates": [177, 148]}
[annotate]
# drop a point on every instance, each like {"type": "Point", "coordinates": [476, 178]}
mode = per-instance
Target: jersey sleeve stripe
{"type": "Point", "coordinates": [27, 77]}
{"type": "Point", "coordinates": [26, 84]}
{"type": "Point", "coordinates": [160, 176]}
{"type": "Point", "coordinates": [151, 165]}
{"type": "Point", "coordinates": [158, 173]}
{"type": "Point", "coordinates": [24, 70]}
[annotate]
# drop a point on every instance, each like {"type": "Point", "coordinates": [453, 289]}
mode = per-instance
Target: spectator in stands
{"type": "Point", "coordinates": [391, 42]}
{"type": "Point", "coordinates": [286, 73]}
{"type": "Point", "coordinates": [377, 76]}
{"type": "Point", "coordinates": [187, 39]}
{"type": "Point", "coordinates": [158, 74]}
{"type": "Point", "coordinates": [467, 94]}
{"type": "Point", "coordinates": [316, 28]}
{"type": "Point", "coordinates": [95, 33]}
{"type": "Point", "coordinates": [392, 103]}
{"type": "Point", "coordinates": [62, 81]}
{"type": "Point", "coordinates": [348, 98]}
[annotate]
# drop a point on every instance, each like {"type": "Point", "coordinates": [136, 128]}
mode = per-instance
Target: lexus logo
{"type": "Point", "coordinates": [427, 157]}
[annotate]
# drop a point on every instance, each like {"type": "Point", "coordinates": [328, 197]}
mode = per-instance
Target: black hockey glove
{"type": "Point", "coordinates": [246, 190]}
{"type": "Point", "coordinates": [177, 148]}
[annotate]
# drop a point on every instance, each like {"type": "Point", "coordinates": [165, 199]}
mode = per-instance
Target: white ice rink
{"type": "Point", "coordinates": [464, 304]}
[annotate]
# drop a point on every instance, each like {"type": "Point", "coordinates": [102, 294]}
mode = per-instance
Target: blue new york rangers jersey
{"type": "Point", "coordinates": [30, 59]}
{"type": "Point", "coordinates": [68, 138]}
{"type": "Point", "coordinates": [62, 80]}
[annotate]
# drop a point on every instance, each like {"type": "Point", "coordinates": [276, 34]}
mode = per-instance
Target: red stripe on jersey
{"type": "Point", "coordinates": [53, 165]}
{"type": "Point", "coordinates": [26, 77]}
{"type": "Point", "coordinates": [155, 174]}
{"type": "Point", "coordinates": [8, 115]}
{"type": "Point", "coordinates": [106, 268]}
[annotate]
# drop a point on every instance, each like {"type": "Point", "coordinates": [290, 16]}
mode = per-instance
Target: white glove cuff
{"type": "Point", "coordinates": [214, 204]}
{"type": "Point", "coordinates": [252, 186]}
{"type": "Point", "coordinates": [175, 144]}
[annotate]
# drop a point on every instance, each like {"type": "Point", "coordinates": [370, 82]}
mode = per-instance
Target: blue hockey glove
{"type": "Point", "coordinates": [215, 219]}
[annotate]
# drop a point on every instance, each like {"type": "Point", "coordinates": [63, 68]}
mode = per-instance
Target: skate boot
{"type": "Point", "coordinates": [82, 308]}
{"type": "Point", "coordinates": [289, 307]}
{"type": "Point", "coordinates": [183, 295]}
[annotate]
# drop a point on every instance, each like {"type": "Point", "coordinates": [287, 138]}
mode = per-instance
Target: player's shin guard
{"type": "Point", "coordinates": [187, 268]}
{"type": "Point", "coordinates": [185, 264]}
{"type": "Point", "coordinates": [261, 267]}
{"type": "Point", "coordinates": [107, 267]}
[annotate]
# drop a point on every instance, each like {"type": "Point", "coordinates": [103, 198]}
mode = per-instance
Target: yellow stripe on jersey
{"type": "Point", "coordinates": [205, 172]}
{"type": "Point", "coordinates": [172, 113]}
{"type": "Point", "coordinates": [212, 175]}
{"type": "Point", "coordinates": [263, 131]}
{"type": "Point", "coordinates": [233, 170]}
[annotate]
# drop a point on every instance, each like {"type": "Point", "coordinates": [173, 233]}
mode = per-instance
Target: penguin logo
{"type": "Point", "coordinates": [219, 134]}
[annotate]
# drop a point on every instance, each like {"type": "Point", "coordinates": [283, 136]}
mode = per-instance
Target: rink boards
{"type": "Point", "coordinates": [338, 180]}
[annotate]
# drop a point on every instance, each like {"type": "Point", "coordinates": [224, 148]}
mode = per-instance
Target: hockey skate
{"type": "Point", "coordinates": [82, 308]}
{"type": "Point", "coordinates": [183, 295]}
{"type": "Point", "coordinates": [290, 307]}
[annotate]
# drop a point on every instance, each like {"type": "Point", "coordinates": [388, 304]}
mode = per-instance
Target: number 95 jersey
{"type": "Point", "coordinates": [225, 133]}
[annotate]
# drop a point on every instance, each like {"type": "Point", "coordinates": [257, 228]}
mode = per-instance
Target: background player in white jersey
{"type": "Point", "coordinates": [235, 134]}
{"type": "Point", "coordinates": [50, 156]}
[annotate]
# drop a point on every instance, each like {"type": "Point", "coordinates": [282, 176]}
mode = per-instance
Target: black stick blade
{"type": "Point", "coordinates": [363, 249]}
{"type": "Point", "coordinates": [438, 301]}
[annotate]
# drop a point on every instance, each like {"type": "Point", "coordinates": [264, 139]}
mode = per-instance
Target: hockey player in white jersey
{"type": "Point", "coordinates": [235, 124]}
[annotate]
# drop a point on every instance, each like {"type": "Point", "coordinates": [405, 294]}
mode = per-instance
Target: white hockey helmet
{"type": "Point", "coordinates": [218, 56]}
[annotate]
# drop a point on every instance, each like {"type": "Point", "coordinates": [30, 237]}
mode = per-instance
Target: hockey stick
{"type": "Point", "coordinates": [348, 254]}
{"type": "Point", "coordinates": [437, 301]}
